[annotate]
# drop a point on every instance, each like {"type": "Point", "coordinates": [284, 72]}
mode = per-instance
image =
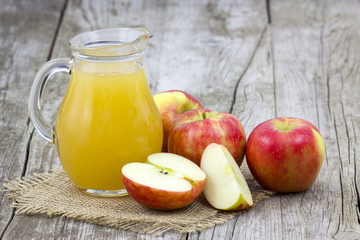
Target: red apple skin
{"type": "Point", "coordinates": [172, 104]}
{"type": "Point", "coordinates": [285, 154]}
{"type": "Point", "coordinates": [242, 207]}
{"type": "Point", "coordinates": [196, 129]}
{"type": "Point", "coordinates": [160, 199]}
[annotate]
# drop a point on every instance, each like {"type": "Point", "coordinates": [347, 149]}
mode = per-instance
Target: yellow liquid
{"type": "Point", "coordinates": [105, 121]}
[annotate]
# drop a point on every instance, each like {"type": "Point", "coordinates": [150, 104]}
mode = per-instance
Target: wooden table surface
{"type": "Point", "coordinates": [255, 59]}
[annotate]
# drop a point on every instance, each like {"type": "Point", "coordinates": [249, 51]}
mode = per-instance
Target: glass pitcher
{"type": "Point", "coordinates": [108, 116]}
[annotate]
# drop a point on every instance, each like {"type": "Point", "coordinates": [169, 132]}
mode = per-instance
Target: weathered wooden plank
{"type": "Point", "coordinates": [315, 58]}
{"type": "Point", "coordinates": [295, 35]}
{"type": "Point", "coordinates": [254, 104]}
{"type": "Point", "coordinates": [338, 82]}
{"type": "Point", "coordinates": [208, 64]}
{"type": "Point", "coordinates": [26, 33]}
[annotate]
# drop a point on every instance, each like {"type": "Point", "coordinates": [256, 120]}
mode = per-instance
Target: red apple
{"type": "Point", "coordinates": [196, 129]}
{"type": "Point", "coordinates": [165, 182]}
{"type": "Point", "coordinates": [285, 154]}
{"type": "Point", "coordinates": [172, 104]}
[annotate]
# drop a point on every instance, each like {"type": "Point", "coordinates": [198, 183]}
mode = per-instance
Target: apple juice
{"type": "Point", "coordinates": [105, 121]}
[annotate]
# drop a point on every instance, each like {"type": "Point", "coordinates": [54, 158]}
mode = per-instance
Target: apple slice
{"type": "Point", "coordinates": [225, 186]}
{"type": "Point", "coordinates": [165, 181]}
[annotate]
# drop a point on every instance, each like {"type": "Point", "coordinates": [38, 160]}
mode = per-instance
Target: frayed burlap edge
{"type": "Point", "coordinates": [20, 191]}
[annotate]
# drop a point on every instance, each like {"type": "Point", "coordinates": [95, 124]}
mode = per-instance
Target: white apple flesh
{"type": "Point", "coordinates": [225, 186]}
{"type": "Point", "coordinates": [165, 182]}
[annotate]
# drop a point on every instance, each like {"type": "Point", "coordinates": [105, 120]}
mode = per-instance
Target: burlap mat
{"type": "Point", "coordinates": [54, 194]}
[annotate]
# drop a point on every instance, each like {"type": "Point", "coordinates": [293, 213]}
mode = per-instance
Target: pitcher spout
{"type": "Point", "coordinates": [146, 33]}
{"type": "Point", "coordinates": [143, 39]}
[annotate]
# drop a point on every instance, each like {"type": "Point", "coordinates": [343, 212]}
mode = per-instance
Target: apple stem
{"type": "Point", "coordinates": [204, 115]}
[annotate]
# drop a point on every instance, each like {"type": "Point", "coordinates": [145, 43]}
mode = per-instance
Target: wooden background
{"type": "Point", "coordinates": [255, 59]}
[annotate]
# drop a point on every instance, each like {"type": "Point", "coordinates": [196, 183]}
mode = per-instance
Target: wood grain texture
{"type": "Point", "coordinates": [303, 37]}
{"type": "Point", "coordinates": [304, 63]}
{"type": "Point", "coordinates": [24, 45]}
{"type": "Point", "coordinates": [317, 78]}
{"type": "Point", "coordinates": [299, 70]}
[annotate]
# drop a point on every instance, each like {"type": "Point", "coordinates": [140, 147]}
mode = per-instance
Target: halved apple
{"type": "Point", "coordinates": [165, 181]}
{"type": "Point", "coordinates": [225, 186]}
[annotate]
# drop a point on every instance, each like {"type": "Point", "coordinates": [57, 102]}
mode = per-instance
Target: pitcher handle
{"type": "Point", "coordinates": [41, 77]}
